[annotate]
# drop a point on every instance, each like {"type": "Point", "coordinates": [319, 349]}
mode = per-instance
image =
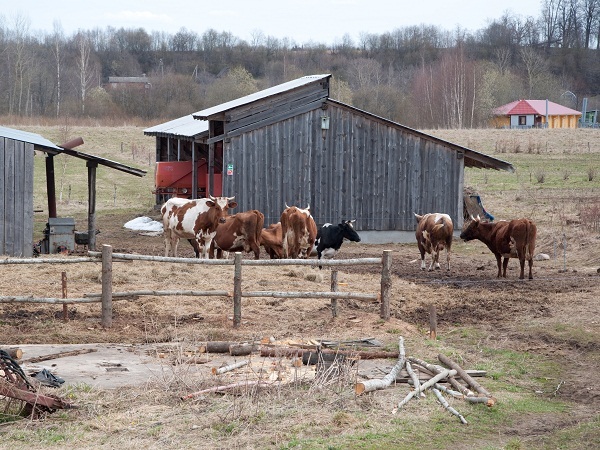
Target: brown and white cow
{"type": "Point", "coordinates": [271, 239]}
{"type": "Point", "coordinates": [299, 231]}
{"type": "Point", "coordinates": [505, 239]}
{"type": "Point", "coordinates": [434, 233]}
{"type": "Point", "coordinates": [195, 220]}
{"type": "Point", "coordinates": [240, 232]}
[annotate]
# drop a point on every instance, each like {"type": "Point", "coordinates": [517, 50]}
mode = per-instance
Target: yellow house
{"type": "Point", "coordinates": [535, 114]}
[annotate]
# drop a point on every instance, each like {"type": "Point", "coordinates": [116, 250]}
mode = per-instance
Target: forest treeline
{"type": "Point", "coordinates": [421, 76]}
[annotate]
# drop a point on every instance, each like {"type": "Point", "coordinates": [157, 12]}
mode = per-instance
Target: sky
{"type": "Point", "coordinates": [316, 21]}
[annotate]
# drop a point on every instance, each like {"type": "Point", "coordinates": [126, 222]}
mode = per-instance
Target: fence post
{"type": "Point", "coordinates": [386, 284]}
{"type": "Point", "coordinates": [64, 295]}
{"type": "Point", "coordinates": [237, 290]}
{"type": "Point", "coordinates": [334, 288]}
{"type": "Point", "coordinates": [107, 286]}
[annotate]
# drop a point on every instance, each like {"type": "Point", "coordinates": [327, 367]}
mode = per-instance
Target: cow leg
{"type": "Point", "coordinates": [504, 266]}
{"type": "Point", "coordinates": [174, 244]}
{"type": "Point", "coordinates": [530, 268]}
{"type": "Point", "coordinates": [256, 249]}
{"type": "Point", "coordinates": [522, 264]}
{"type": "Point", "coordinates": [499, 261]}
{"type": "Point", "coordinates": [447, 258]}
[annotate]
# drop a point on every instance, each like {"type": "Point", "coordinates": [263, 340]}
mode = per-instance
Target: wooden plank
{"type": "Point", "coordinates": [28, 201]}
{"type": "Point", "coordinates": [2, 197]}
{"type": "Point", "coordinates": [19, 189]}
{"type": "Point", "coordinates": [9, 197]}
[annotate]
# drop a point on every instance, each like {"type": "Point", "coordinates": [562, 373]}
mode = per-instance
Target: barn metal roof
{"type": "Point", "coordinates": [284, 87]}
{"type": "Point", "coordinates": [472, 158]}
{"type": "Point", "coordinates": [185, 127]}
{"type": "Point", "coordinates": [44, 145]}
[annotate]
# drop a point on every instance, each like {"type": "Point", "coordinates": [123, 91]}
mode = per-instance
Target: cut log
{"type": "Point", "coordinates": [413, 376]}
{"type": "Point", "coordinates": [59, 355]}
{"type": "Point", "coordinates": [228, 368]}
{"type": "Point", "coordinates": [434, 368]}
{"type": "Point", "coordinates": [278, 352]}
{"type": "Point", "coordinates": [289, 351]}
{"type": "Point", "coordinates": [218, 346]}
{"type": "Point", "coordinates": [14, 352]}
{"type": "Point", "coordinates": [227, 387]}
{"type": "Point", "coordinates": [241, 349]}
{"type": "Point", "coordinates": [372, 385]}
{"type": "Point", "coordinates": [466, 377]}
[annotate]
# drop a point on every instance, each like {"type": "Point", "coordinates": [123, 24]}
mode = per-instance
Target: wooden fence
{"type": "Point", "coordinates": [107, 295]}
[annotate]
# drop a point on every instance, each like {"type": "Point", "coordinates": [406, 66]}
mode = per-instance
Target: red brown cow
{"type": "Point", "coordinates": [434, 233]}
{"type": "Point", "coordinates": [505, 239]}
{"type": "Point", "coordinates": [193, 220]}
{"type": "Point", "coordinates": [271, 239]}
{"type": "Point", "coordinates": [239, 232]}
{"type": "Point", "coordinates": [299, 231]}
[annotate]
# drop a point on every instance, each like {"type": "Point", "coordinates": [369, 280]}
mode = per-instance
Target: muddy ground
{"type": "Point", "coordinates": [554, 316]}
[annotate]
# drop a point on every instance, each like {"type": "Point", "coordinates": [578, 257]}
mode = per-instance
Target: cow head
{"type": "Point", "coordinates": [348, 230]}
{"type": "Point", "coordinates": [471, 229]}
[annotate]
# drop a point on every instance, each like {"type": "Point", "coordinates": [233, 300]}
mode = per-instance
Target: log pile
{"type": "Point", "coordinates": [438, 374]}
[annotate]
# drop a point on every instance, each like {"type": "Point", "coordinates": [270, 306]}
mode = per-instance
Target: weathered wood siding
{"type": "Point", "coordinates": [16, 198]}
{"type": "Point", "coordinates": [361, 168]}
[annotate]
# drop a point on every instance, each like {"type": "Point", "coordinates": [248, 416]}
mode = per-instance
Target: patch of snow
{"type": "Point", "coordinates": [144, 224]}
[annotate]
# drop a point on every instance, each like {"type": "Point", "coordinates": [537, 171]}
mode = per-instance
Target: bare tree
{"type": "Point", "coordinates": [57, 44]}
{"type": "Point", "coordinates": [535, 66]}
{"type": "Point", "coordinates": [84, 69]}
{"type": "Point", "coordinates": [21, 56]}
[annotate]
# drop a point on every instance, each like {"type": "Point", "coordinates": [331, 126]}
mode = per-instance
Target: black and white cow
{"type": "Point", "coordinates": [330, 238]}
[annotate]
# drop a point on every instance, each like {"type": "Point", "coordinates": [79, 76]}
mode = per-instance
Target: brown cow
{"type": "Point", "coordinates": [505, 239]}
{"type": "Point", "coordinates": [239, 232]}
{"type": "Point", "coordinates": [299, 231]}
{"type": "Point", "coordinates": [434, 233]}
{"type": "Point", "coordinates": [271, 239]}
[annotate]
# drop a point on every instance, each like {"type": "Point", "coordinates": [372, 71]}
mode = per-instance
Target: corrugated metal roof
{"type": "Point", "coordinates": [284, 87]}
{"type": "Point", "coordinates": [534, 107]}
{"type": "Point", "coordinates": [185, 126]}
{"type": "Point", "coordinates": [25, 136]}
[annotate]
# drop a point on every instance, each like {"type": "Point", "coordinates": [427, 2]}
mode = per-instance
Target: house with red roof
{"type": "Point", "coordinates": [535, 114]}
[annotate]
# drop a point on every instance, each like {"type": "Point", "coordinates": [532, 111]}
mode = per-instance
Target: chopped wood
{"type": "Point", "coordinates": [434, 368]}
{"type": "Point", "coordinates": [372, 385]}
{"type": "Point", "coordinates": [14, 352]}
{"type": "Point", "coordinates": [59, 355]}
{"type": "Point", "coordinates": [228, 368]}
{"type": "Point", "coordinates": [465, 376]}
{"type": "Point", "coordinates": [241, 349]}
{"type": "Point", "coordinates": [448, 391]}
{"type": "Point", "coordinates": [446, 405]}
{"type": "Point", "coordinates": [277, 352]}
{"type": "Point", "coordinates": [193, 360]}
{"type": "Point", "coordinates": [362, 354]}
{"type": "Point", "coordinates": [423, 387]}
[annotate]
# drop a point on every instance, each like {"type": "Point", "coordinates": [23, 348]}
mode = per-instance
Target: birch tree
{"type": "Point", "coordinates": [84, 68]}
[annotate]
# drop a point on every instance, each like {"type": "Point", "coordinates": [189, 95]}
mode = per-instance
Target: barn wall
{"type": "Point", "coordinates": [16, 198]}
{"type": "Point", "coordinates": [361, 168]}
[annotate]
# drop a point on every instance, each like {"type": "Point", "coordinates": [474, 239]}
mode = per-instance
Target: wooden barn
{"type": "Point", "coordinates": [17, 149]}
{"type": "Point", "coordinates": [293, 144]}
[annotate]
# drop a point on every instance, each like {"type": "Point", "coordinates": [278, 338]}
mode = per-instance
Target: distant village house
{"type": "Point", "coordinates": [535, 114]}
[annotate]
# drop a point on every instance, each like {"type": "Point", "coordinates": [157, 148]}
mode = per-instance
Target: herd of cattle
{"type": "Point", "coordinates": [209, 228]}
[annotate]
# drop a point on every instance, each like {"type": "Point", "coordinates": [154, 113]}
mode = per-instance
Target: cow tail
{"type": "Point", "coordinates": [260, 224]}
{"type": "Point", "coordinates": [528, 254]}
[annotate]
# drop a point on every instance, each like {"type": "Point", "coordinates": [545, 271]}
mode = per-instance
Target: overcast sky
{"type": "Point", "coordinates": [317, 21]}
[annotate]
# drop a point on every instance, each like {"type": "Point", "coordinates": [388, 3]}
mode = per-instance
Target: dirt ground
{"type": "Point", "coordinates": [555, 315]}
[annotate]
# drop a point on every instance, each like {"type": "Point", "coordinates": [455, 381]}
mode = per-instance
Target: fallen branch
{"type": "Point", "coordinates": [224, 388]}
{"type": "Point", "coordinates": [413, 376]}
{"type": "Point", "coordinates": [467, 378]}
{"type": "Point", "coordinates": [446, 405]}
{"type": "Point", "coordinates": [362, 354]}
{"type": "Point", "coordinates": [423, 387]}
{"type": "Point", "coordinates": [434, 368]}
{"type": "Point", "coordinates": [372, 385]}
{"type": "Point", "coordinates": [230, 367]}
{"type": "Point", "coordinates": [59, 355]}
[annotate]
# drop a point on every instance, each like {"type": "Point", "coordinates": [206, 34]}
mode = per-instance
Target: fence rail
{"type": "Point", "coordinates": [106, 257]}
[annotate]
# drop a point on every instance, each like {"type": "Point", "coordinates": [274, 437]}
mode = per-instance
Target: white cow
{"type": "Point", "coordinates": [195, 220]}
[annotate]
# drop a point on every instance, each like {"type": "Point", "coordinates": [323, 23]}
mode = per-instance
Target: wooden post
{"type": "Point", "coordinates": [64, 295]}
{"type": "Point", "coordinates": [107, 286]}
{"type": "Point", "coordinates": [432, 322]}
{"type": "Point", "coordinates": [237, 290]}
{"type": "Point", "coordinates": [386, 284]}
{"type": "Point", "coordinates": [92, 166]}
{"type": "Point", "coordinates": [334, 288]}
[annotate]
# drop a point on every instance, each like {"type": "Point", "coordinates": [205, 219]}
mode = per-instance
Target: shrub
{"type": "Point", "coordinates": [591, 173]}
{"type": "Point", "coordinates": [540, 175]}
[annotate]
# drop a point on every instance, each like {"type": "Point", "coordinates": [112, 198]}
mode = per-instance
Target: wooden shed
{"type": "Point", "coordinates": [16, 186]}
{"type": "Point", "coordinates": [292, 144]}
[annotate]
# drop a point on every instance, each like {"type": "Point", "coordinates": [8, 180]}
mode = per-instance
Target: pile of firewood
{"type": "Point", "coordinates": [449, 373]}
